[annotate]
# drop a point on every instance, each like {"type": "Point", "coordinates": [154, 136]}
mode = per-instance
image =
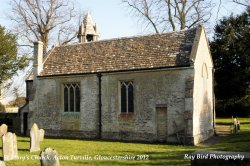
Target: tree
{"type": "Point", "coordinates": [18, 100]}
{"type": "Point", "coordinates": [45, 20]}
{"type": "Point", "coordinates": [163, 15]}
{"type": "Point", "coordinates": [231, 53]}
{"type": "Point", "coordinates": [10, 63]}
{"type": "Point", "coordinates": [242, 2]}
{"type": "Point", "coordinates": [2, 107]}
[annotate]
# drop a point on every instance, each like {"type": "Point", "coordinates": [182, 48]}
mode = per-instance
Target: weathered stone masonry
{"type": "Point", "coordinates": [172, 77]}
{"type": "Point", "coordinates": [141, 126]}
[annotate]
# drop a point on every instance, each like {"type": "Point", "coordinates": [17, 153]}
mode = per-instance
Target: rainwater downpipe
{"type": "Point", "coordinates": [99, 76]}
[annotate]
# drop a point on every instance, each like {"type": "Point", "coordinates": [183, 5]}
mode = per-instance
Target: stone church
{"type": "Point", "coordinates": [149, 88]}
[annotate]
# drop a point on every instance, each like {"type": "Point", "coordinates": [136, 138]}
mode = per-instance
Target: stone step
{"type": "Point", "coordinates": [222, 129]}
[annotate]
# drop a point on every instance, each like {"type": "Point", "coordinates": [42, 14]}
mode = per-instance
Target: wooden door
{"type": "Point", "coordinates": [162, 124]}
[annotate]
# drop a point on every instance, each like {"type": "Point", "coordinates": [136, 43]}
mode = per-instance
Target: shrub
{"type": "Point", "coordinates": [2, 108]}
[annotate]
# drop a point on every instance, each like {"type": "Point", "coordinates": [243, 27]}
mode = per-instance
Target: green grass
{"type": "Point", "coordinates": [235, 142]}
{"type": "Point", "coordinates": [159, 154]}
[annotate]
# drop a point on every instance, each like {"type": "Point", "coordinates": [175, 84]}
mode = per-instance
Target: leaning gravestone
{"type": "Point", "coordinates": [34, 138]}
{"type": "Point", "coordinates": [49, 157]}
{"type": "Point", "coordinates": [3, 129]}
{"type": "Point", "coordinates": [41, 134]}
{"type": "Point", "coordinates": [9, 146]}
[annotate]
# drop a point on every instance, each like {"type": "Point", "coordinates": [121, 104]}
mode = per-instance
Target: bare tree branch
{"type": "Point", "coordinates": [177, 14]}
{"type": "Point", "coordinates": [43, 20]}
{"type": "Point", "coordinates": [246, 3]}
{"type": "Point", "coordinates": [218, 10]}
{"type": "Point", "coordinates": [143, 8]}
{"type": "Point", "coordinates": [170, 15]}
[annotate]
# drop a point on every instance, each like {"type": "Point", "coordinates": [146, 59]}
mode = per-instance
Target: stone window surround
{"type": "Point", "coordinates": [78, 84]}
{"type": "Point", "coordinates": [126, 114]}
{"type": "Point", "coordinates": [204, 71]}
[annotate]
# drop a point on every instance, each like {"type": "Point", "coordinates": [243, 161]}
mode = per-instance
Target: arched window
{"type": "Point", "coordinates": [90, 38]}
{"type": "Point", "coordinates": [127, 96]}
{"type": "Point", "coordinates": [72, 97]}
{"type": "Point", "coordinates": [204, 71]}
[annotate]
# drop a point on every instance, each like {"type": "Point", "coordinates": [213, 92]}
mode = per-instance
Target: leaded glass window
{"type": "Point", "coordinates": [72, 97]}
{"type": "Point", "coordinates": [127, 96]}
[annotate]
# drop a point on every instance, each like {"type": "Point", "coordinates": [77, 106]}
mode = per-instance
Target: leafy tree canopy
{"type": "Point", "coordinates": [231, 54]}
{"type": "Point", "coordinates": [10, 63]}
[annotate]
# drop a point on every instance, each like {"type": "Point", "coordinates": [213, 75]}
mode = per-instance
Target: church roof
{"type": "Point", "coordinates": [132, 53]}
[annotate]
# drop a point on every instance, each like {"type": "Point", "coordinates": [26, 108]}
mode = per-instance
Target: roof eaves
{"type": "Point", "coordinates": [116, 71]}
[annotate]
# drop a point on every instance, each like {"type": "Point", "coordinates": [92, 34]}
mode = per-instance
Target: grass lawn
{"type": "Point", "coordinates": [79, 152]}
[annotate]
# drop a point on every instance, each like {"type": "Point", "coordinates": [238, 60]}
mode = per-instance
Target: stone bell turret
{"type": "Point", "coordinates": [88, 31]}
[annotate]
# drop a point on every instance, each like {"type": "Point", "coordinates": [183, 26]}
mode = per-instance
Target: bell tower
{"type": "Point", "coordinates": [88, 31]}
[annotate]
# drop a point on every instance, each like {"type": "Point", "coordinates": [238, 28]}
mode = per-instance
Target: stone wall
{"type": "Point", "coordinates": [151, 90]}
{"type": "Point", "coordinates": [48, 112]}
{"type": "Point", "coordinates": [12, 120]}
{"type": "Point", "coordinates": [203, 92]}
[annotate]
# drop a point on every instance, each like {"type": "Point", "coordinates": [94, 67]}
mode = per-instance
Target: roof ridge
{"type": "Point", "coordinates": [165, 49]}
{"type": "Point", "coordinates": [128, 37]}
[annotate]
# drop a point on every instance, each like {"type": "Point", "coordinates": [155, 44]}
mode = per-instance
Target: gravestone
{"type": "Point", "coordinates": [9, 146]}
{"type": "Point", "coordinates": [49, 157]}
{"type": "Point", "coordinates": [41, 134]}
{"type": "Point", "coordinates": [34, 138]}
{"type": "Point", "coordinates": [3, 129]}
{"type": "Point", "coordinates": [2, 163]}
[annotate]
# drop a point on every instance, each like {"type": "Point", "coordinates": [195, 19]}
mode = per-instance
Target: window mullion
{"type": "Point", "coordinates": [68, 99]}
{"type": "Point", "coordinates": [71, 101]}
{"type": "Point", "coordinates": [74, 99]}
{"type": "Point", "coordinates": [126, 98]}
